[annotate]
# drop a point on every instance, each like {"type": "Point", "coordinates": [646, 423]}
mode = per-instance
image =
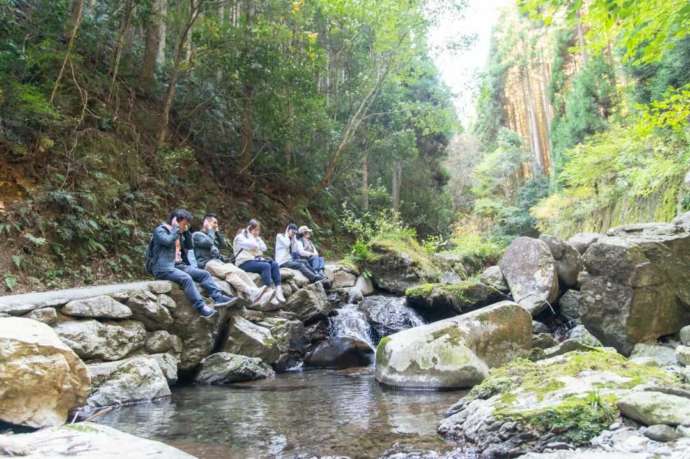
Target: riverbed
{"type": "Point", "coordinates": [319, 412]}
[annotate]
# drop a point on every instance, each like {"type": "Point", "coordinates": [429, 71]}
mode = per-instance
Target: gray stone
{"type": "Point", "coordinates": [456, 352]}
{"type": "Point", "coordinates": [389, 314]}
{"type": "Point", "coordinates": [652, 408]}
{"type": "Point", "coordinates": [251, 340]}
{"type": "Point", "coordinates": [168, 365]}
{"type": "Point", "coordinates": [396, 266]}
{"type": "Point", "coordinates": [89, 440]}
{"type": "Point", "coordinates": [226, 368]}
{"type": "Point", "coordinates": [530, 271]}
{"type": "Point", "coordinates": [41, 379]}
{"type": "Point", "coordinates": [543, 341]}
{"type": "Point", "coordinates": [441, 301]}
{"type": "Point", "coordinates": [340, 352]}
{"type": "Point", "coordinates": [309, 303]}
{"type": "Point", "coordinates": [99, 307]}
{"type": "Point", "coordinates": [564, 347]}
{"type": "Point", "coordinates": [683, 355]}
{"type": "Point", "coordinates": [162, 341]}
{"type": "Point", "coordinates": [288, 275]}
{"type": "Point", "coordinates": [569, 304]}
{"type": "Point", "coordinates": [343, 279]}
{"type": "Point", "coordinates": [365, 285]}
{"type": "Point", "coordinates": [151, 310]}
{"type": "Point", "coordinates": [539, 327]}
{"type": "Point", "coordinates": [93, 340]}
{"type": "Point", "coordinates": [160, 287]}
{"type": "Point", "coordinates": [685, 335]}
{"type": "Point", "coordinates": [580, 334]}
{"type": "Point", "coordinates": [582, 241]}
{"type": "Point", "coordinates": [662, 355]}
{"type": "Point", "coordinates": [568, 260]}
{"type": "Point", "coordinates": [132, 380]}
{"type": "Point", "coordinates": [661, 432]}
{"type": "Point", "coordinates": [46, 315]}
{"type": "Point", "coordinates": [493, 277]}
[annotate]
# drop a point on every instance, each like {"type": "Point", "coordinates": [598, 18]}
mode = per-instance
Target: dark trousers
{"type": "Point", "coordinates": [268, 269]}
{"type": "Point", "coordinates": [317, 263]}
{"type": "Point", "coordinates": [301, 267]}
{"type": "Point", "coordinates": [185, 276]}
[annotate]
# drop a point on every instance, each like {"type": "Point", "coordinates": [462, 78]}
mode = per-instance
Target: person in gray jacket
{"type": "Point", "coordinates": [208, 244]}
{"type": "Point", "coordinates": [284, 246]}
{"type": "Point", "coordinates": [169, 246]}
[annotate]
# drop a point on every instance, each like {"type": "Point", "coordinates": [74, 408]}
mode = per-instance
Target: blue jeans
{"type": "Point", "coordinates": [268, 269]}
{"type": "Point", "coordinates": [302, 267]}
{"type": "Point", "coordinates": [317, 263]}
{"type": "Point", "coordinates": [184, 276]}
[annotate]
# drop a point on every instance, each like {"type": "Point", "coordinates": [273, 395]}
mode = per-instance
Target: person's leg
{"type": "Point", "coordinates": [204, 278]}
{"type": "Point", "coordinates": [260, 267]}
{"type": "Point", "coordinates": [275, 272]}
{"type": "Point", "coordinates": [303, 268]}
{"type": "Point", "coordinates": [185, 281]}
{"type": "Point", "coordinates": [236, 277]}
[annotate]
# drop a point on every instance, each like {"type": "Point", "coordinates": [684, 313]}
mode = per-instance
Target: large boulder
{"type": "Point", "coordinates": [582, 241]}
{"type": "Point", "coordinates": [152, 310]}
{"type": "Point", "coordinates": [162, 341]}
{"type": "Point", "coordinates": [309, 303]}
{"type": "Point", "coordinates": [131, 380]}
{"type": "Point", "coordinates": [636, 287]}
{"type": "Point", "coordinates": [93, 340]}
{"type": "Point", "coordinates": [41, 379]}
{"type": "Point", "coordinates": [340, 352]}
{"type": "Point", "coordinates": [531, 406]}
{"type": "Point", "coordinates": [456, 352]}
{"type": "Point", "coordinates": [396, 265]}
{"type": "Point", "coordinates": [530, 270]}
{"type": "Point", "coordinates": [389, 314]}
{"type": "Point", "coordinates": [493, 277]}
{"type": "Point", "coordinates": [290, 339]}
{"type": "Point", "coordinates": [650, 408]}
{"type": "Point", "coordinates": [100, 307]}
{"type": "Point", "coordinates": [569, 304]}
{"type": "Point", "coordinates": [87, 440]}
{"type": "Point", "coordinates": [252, 340]}
{"type": "Point", "coordinates": [568, 260]}
{"type": "Point", "coordinates": [440, 301]}
{"type": "Point", "coordinates": [225, 368]}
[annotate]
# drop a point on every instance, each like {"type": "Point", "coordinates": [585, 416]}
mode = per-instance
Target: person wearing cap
{"type": "Point", "coordinates": [249, 249]}
{"type": "Point", "coordinates": [305, 249]}
{"type": "Point", "coordinates": [284, 244]}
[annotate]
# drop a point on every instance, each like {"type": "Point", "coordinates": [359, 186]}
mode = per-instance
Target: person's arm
{"type": "Point", "coordinates": [301, 251]}
{"type": "Point", "coordinates": [246, 243]}
{"type": "Point", "coordinates": [165, 238]}
{"type": "Point", "coordinates": [261, 244]}
{"type": "Point", "coordinates": [202, 241]}
{"type": "Point", "coordinates": [220, 241]}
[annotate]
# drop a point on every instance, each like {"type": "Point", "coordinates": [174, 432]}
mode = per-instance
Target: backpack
{"type": "Point", "coordinates": [148, 257]}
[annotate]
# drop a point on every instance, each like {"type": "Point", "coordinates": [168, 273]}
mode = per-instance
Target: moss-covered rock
{"type": "Point", "coordinates": [396, 264]}
{"type": "Point", "coordinates": [439, 301]}
{"type": "Point", "coordinates": [455, 352]}
{"type": "Point", "coordinates": [526, 405]}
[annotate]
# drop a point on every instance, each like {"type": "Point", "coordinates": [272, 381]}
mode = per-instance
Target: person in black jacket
{"type": "Point", "coordinates": [171, 245]}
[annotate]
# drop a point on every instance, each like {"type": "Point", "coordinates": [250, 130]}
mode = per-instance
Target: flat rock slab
{"type": "Point", "coordinates": [87, 440]}
{"type": "Point", "coordinates": [652, 408]}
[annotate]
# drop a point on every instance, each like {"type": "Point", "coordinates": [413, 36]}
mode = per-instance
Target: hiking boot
{"type": "Point", "coordinates": [279, 294]}
{"type": "Point", "coordinates": [255, 297]}
{"type": "Point", "coordinates": [222, 301]}
{"type": "Point", "coordinates": [205, 311]}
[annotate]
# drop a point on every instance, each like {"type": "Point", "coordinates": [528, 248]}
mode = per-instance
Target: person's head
{"type": "Point", "coordinates": [254, 227]}
{"type": "Point", "coordinates": [210, 222]}
{"type": "Point", "coordinates": [305, 232]}
{"type": "Point", "coordinates": [181, 217]}
{"type": "Point", "coordinates": [291, 230]}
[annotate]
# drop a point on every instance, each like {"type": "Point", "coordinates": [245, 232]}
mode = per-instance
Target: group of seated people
{"type": "Point", "coordinates": [176, 255]}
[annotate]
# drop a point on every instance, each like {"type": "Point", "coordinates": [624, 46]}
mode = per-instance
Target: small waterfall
{"type": "Point", "coordinates": [350, 322]}
{"type": "Point", "coordinates": [390, 315]}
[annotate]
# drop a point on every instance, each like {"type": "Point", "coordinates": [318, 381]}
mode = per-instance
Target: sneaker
{"type": "Point", "coordinates": [256, 295]}
{"type": "Point", "coordinates": [267, 296]}
{"type": "Point", "coordinates": [205, 311]}
{"type": "Point", "coordinates": [279, 294]}
{"type": "Point", "coordinates": [221, 301]}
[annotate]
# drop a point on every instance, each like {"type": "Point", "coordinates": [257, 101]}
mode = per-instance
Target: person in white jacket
{"type": "Point", "coordinates": [284, 249]}
{"type": "Point", "coordinates": [249, 248]}
{"type": "Point", "coordinates": [306, 250]}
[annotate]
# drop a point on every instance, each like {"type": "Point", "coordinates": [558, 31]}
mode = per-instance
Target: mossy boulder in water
{"type": "Point", "coordinates": [565, 400]}
{"type": "Point", "coordinates": [398, 264]}
{"type": "Point", "coordinates": [438, 301]}
{"type": "Point", "coordinates": [456, 352]}
{"type": "Point", "coordinates": [636, 287]}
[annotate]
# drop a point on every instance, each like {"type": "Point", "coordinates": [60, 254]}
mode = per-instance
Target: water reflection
{"type": "Point", "coordinates": [317, 412]}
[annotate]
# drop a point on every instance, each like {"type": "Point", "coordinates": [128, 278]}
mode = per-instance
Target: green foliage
{"type": "Point", "coordinates": [10, 282]}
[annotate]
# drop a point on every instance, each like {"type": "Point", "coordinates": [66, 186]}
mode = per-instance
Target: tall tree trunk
{"type": "Point", "coordinates": [124, 27]}
{"type": "Point", "coordinates": [194, 10]}
{"type": "Point", "coordinates": [365, 182]}
{"type": "Point", "coordinates": [70, 35]}
{"type": "Point", "coordinates": [247, 128]}
{"type": "Point", "coordinates": [152, 42]}
{"type": "Point", "coordinates": [581, 38]}
{"type": "Point", "coordinates": [395, 188]}
{"type": "Point", "coordinates": [163, 13]}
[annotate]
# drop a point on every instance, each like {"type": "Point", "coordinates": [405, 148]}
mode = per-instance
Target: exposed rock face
{"type": "Point", "coordinates": [388, 315]}
{"type": "Point", "coordinates": [440, 301]}
{"type": "Point", "coordinates": [225, 368]}
{"type": "Point", "coordinates": [41, 379]}
{"type": "Point", "coordinates": [340, 352]}
{"type": "Point", "coordinates": [493, 277]}
{"type": "Point", "coordinates": [683, 355]}
{"type": "Point", "coordinates": [290, 338]}
{"type": "Point", "coordinates": [151, 310]}
{"type": "Point", "coordinates": [131, 380]}
{"type": "Point", "coordinates": [46, 315]}
{"type": "Point", "coordinates": [569, 303]}
{"type": "Point", "coordinates": [93, 340]}
{"type": "Point", "coordinates": [309, 303]}
{"type": "Point", "coordinates": [568, 260]}
{"type": "Point", "coordinates": [582, 241]}
{"type": "Point", "coordinates": [531, 406]}
{"type": "Point", "coordinates": [365, 285]}
{"type": "Point", "coordinates": [162, 341]}
{"type": "Point", "coordinates": [455, 352]}
{"type": "Point", "coordinates": [293, 276]}
{"type": "Point", "coordinates": [168, 365]}
{"type": "Point", "coordinates": [88, 440]}
{"type": "Point", "coordinates": [685, 335]}
{"type": "Point", "coordinates": [343, 279]}
{"type": "Point", "coordinates": [580, 334]}
{"type": "Point", "coordinates": [100, 307]}
{"type": "Point", "coordinates": [637, 285]}
{"type": "Point", "coordinates": [396, 265]}
{"type": "Point", "coordinates": [249, 339]}
{"type": "Point", "coordinates": [530, 270]}
{"type": "Point", "coordinates": [651, 408]}
{"type": "Point", "coordinates": [661, 355]}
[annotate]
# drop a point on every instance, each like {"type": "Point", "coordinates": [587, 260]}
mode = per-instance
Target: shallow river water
{"type": "Point", "coordinates": [322, 412]}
